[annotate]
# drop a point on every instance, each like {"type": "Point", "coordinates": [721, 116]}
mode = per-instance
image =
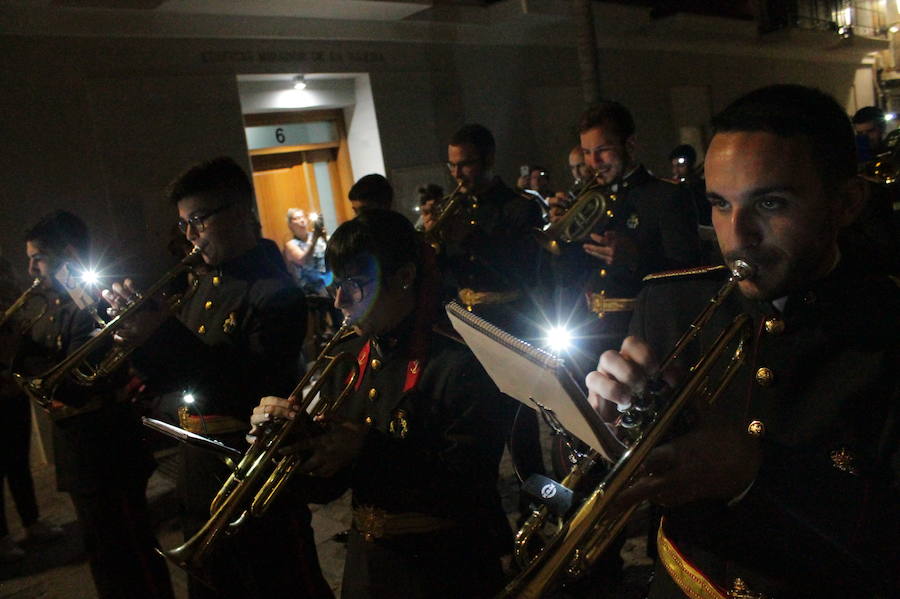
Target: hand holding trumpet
{"type": "Point", "coordinates": [144, 322]}
{"type": "Point", "coordinates": [326, 453]}
{"type": "Point", "coordinates": [716, 460]}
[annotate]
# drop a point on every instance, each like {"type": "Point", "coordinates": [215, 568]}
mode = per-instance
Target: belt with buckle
{"type": "Point", "coordinates": [600, 304]}
{"type": "Point", "coordinates": [375, 523]}
{"type": "Point", "coordinates": [470, 297]}
{"type": "Point", "coordinates": [692, 581]}
{"type": "Point", "coordinates": [209, 424]}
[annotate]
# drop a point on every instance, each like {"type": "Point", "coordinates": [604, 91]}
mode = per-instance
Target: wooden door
{"type": "Point", "coordinates": [279, 189]}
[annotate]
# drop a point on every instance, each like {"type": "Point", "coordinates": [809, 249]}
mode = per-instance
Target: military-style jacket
{"type": "Point", "coordinates": [492, 247]}
{"type": "Point", "coordinates": [101, 447]}
{"type": "Point", "coordinates": [820, 381]}
{"type": "Point", "coordinates": [659, 217]}
{"type": "Point", "coordinates": [236, 339]}
{"type": "Point", "coordinates": [433, 448]}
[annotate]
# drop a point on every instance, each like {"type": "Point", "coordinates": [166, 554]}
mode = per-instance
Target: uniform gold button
{"type": "Point", "coordinates": [373, 393]}
{"type": "Point", "coordinates": [765, 377]}
{"type": "Point", "coordinates": [609, 214]}
{"type": "Point", "coordinates": [756, 428]}
{"type": "Point", "coordinates": [602, 272]}
{"type": "Point", "coordinates": [201, 329]}
{"type": "Point", "coordinates": [52, 319]}
{"type": "Point", "coordinates": [207, 305]}
{"type": "Point", "coordinates": [57, 302]}
{"type": "Point", "coordinates": [472, 222]}
{"type": "Point", "coordinates": [369, 420]}
{"type": "Point", "coordinates": [376, 364]}
{"type": "Point", "coordinates": [217, 281]}
{"type": "Point", "coordinates": [474, 205]}
{"type": "Point", "coordinates": [774, 326]}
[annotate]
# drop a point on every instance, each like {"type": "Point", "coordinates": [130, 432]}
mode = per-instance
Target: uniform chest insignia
{"type": "Point", "coordinates": [633, 221]}
{"type": "Point", "coordinates": [230, 323]}
{"type": "Point", "coordinates": [59, 342]}
{"type": "Point", "coordinates": [844, 461]}
{"type": "Point", "coordinates": [399, 426]}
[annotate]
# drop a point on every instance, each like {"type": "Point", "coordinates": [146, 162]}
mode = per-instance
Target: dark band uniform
{"type": "Point", "coordinates": [235, 340]}
{"type": "Point", "coordinates": [490, 261]}
{"type": "Point", "coordinates": [427, 520]}
{"type": "Point", "coordinates": [820, 387]}
{"type": "Point", "coordinates": [490, 257]}
{"type": "Point", "coordinates": [100, 461]}
{"type": "Point", "coordinates": [659, 218]}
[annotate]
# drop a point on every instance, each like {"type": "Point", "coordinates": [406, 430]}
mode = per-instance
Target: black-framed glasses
{"type": "Point", "coordinates": [351, 288]}
{"type": "Point", "coordinates": [198, 221]}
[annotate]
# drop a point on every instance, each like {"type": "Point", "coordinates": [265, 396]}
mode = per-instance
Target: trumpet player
{"type": "Point", "coordinates": [419, 439]}
{"type": "Point", "coordinates": [99, 457]}
{"type": "Point", "coordinates": [787, 485]}
{"type": "Point", "coordinates": [235, 338]}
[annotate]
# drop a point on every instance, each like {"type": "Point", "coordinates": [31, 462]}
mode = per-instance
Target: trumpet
{"type": "Point", "coordinates": [450, 206]}
{"type": "Point", "coordinates": [254, 483]}
{"type": "Point", "coordinates": [77, 366]}
{"type": "Point", "coordinates": [587, 534]}
{"type": "Point", "coordinates": [22, 301]}
{"type": "Point", "coordinates": [592, 209]}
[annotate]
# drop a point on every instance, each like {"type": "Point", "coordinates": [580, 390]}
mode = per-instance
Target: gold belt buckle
{"type": "Point", "coordinates": [468, 297]}
{"type": "Point", "coordinates": [370, 522]}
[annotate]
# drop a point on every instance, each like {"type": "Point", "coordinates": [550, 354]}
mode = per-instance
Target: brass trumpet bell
{"type": "Point", "coordinates": [263, 473]}
{"type": "Point", "coordinates": [78, 366]}
{"type": "Point", "coordinates": [592, 210]}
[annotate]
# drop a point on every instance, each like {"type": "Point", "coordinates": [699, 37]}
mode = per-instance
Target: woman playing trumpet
{"type": "Point", "coordinates": [419, 439]}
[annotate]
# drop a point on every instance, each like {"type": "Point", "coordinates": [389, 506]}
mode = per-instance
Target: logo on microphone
{"type": "Point", "coordinates": [548, 491]}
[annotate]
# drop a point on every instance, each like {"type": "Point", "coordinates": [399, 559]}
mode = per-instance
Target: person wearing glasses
{"type": "Point", "coordinates": [235, 338]}
{"type": "Point", "coordinates": [420, 437]}
{"type": "Point", "coordinates": [490, 260]}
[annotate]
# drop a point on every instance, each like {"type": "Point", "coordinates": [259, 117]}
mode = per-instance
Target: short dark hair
{"type": "Point", "coordinates": [220, 177]}
{"type": "Point", "coordinates": [872, 114]}
{"type": "Point", "coordinates": [798, 111]}
{"type": "Point", "coordinates": [477, 136]}
{"type": "Point", "coordinates": [373, 191]}
{"type": "Point", "coordinates": [59, 229]}
{"type": "Point", "coordinates": [430, 192]}
{"type": "Point", "coordinates": [385, 236]}
{"type": "Point", "coordinates": [685, 151]}
{"type": "Point", "coordinates": [609, 115]}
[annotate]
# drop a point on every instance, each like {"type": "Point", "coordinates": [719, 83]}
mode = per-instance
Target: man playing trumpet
{"type": "Point", "coordinates": [100, 459]}
{"type": "Point", "coordinates": [787, 485]}
{"type": "Point", "coordinates": [235, 338]}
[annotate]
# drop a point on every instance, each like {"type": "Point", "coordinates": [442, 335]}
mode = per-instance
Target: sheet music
{"type": "Point", "coordinates": [532, 376]}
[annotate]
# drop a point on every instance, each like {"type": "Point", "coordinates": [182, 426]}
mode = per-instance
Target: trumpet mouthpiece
{"type": "Point", "coordinates": [741, 270]}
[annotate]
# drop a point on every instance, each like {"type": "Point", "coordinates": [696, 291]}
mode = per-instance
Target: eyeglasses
{"type": "Point", "coordinates": [351, 288]}
{"type": "Point", "coordinates": [463, 164]}
{"type": "Point", "coordinates": [198, 221]}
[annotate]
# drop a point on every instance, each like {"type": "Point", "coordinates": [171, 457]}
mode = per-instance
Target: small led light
{"type": "Point", "coordinates": [90, 277]}
{"type": "Point", "coordinates": [299, 82]}
{"type": "Point", "coordinates": [890, 116]}
{"type": "Point", "coordinates": [188, 398]}
{"type": "Point", "coordinates": [894, 29]}
{"type": "Point", "coordinates": [559, 339]}
{"type": "Point", "coordinates": [417, 208]}
{"type": "Point", "coordinates": [681, 160]}
{"type": "Point", "coordinates": [313, 216]}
